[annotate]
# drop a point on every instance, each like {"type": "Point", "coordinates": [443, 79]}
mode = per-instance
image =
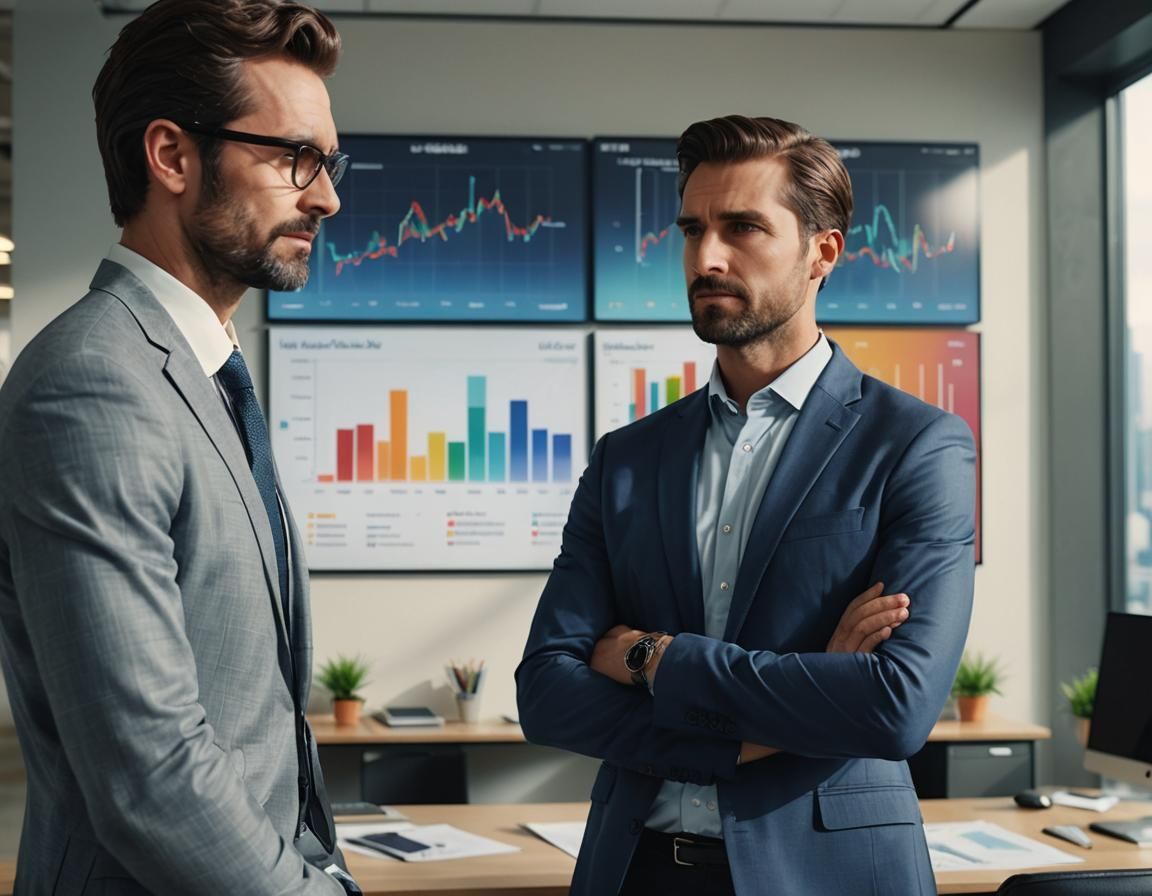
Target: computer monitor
{"type": "Point", "coordinates": [1120, 742]}
{"type": "Point", "coordinates": [1120, 739]}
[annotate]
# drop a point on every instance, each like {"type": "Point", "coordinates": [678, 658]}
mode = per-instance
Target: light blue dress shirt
{"type": "Point", "coordinates": [741, 450]}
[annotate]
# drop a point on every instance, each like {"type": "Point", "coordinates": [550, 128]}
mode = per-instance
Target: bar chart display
{"type": "Point", "coordinates": [421, 449]}
{"type": "Point", "coordinates": [439, 229]}
{"type": "Point", "coordinates": [938, 366]}
{"type": "Point", "coordinates": [912, 253]}
{"type": "Point", "coordinates": [640, 371]}
{"type": "Point", "coordinates": [636, 245]}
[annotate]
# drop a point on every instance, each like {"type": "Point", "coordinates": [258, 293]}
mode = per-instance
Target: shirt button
{"type": "Point", "coordinates": [711, 807]}
{"type": "Point", "coordinates": [746, 447]}
{"type": "Point", "coordinates": [696, 803]}
{"type": "Point", "coordinates": [723, 586]}
{"type": "Point", "coordinates": [725, 529]}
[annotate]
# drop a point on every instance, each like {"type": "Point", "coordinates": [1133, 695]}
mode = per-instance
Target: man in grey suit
{"type": "Point", "coordinates": [154, 618]}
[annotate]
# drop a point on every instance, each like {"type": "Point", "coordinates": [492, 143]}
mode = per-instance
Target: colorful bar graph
{"type": "Point", "coordinates": [689, 377]}
{"type": "Point", "coordinates": [521, 454]}
{"type": "Point", "coordinates": [672, 389]}
{"type": "Point", "coordinates": [640, 405]}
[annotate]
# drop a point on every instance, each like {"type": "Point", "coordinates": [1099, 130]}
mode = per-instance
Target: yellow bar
{"type": "Point", "coordinates": [437, 456]}
{"type": "Point", "coordinates": [398, 398]}
{"type": "Point", "coordinates": [382, 456]}
{"type": "Point", "coordinates": [419, 468]}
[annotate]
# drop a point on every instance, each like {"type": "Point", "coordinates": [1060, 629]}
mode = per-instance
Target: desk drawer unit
{"type": "Point", "coordinates": [950, 770]}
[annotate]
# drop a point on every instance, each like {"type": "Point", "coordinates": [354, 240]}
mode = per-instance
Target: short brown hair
{"type": "Point", "coordinates": [180, 59]}
{"type": "Point", "coordinates": [820, 194]}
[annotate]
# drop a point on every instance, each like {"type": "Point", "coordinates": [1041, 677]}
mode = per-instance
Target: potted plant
{"type": "Point", "coordinates": [343, 677]}
{"type": "Point", "coordinates": [1081, 696]}
{"type": "Point", "coordinates": [976, 678]}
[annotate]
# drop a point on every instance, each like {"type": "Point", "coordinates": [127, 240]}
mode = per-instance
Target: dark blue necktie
{"type": "Point", "coordinates": [234, 377]}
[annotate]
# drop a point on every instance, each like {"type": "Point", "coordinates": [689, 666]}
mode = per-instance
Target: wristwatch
{"type": "Point", "coordinates": [640, 654]}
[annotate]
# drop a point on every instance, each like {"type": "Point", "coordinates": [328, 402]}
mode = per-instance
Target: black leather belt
{"type": "Point", "coordinates": [684, 849]}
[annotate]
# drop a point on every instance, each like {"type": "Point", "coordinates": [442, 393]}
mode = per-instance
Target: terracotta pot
{"type": "Point", "coordinates": [1083, 726]}
{"type": "Point", "coordinates": [973, 709]}
{"type": "Point", "coordinates": [347, 712]}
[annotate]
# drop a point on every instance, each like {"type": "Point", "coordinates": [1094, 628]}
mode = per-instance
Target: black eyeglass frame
{"type": "Point", "coordinates": [335, 163]}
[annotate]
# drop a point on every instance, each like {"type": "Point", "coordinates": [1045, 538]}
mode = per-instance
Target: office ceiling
{"type": "Point", "coordinates": [1006, 14]}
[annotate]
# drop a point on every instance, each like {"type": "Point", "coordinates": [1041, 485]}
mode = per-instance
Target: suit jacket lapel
{"type": "Point", "coordinates": [679, 469]}
{"type": "Point", "coordinates": [824, 422]}
{"type": "Point", "coordinates": [187, 377]}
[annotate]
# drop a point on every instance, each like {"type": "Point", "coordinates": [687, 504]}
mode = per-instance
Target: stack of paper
{"type": "Point", "coordinates": [972, 845]}
{"type": "Point", "coordinates": [565, 835]}
{"type": "Point", "coordinates": [435, 842]}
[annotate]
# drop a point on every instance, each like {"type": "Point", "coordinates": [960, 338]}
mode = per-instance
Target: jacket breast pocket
{"type": "Point", "coordinates": [840, 809]}
{"type": "Point", "coordinates": [839, 523]}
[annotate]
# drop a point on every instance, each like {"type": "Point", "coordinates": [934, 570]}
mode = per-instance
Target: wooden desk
{"type": "Point", "coordinates": [961, 759]}
{"type": "Point", "coordinates": [540, 869]}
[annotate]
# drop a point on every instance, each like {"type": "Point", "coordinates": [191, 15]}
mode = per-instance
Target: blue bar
{"type": "Point", "coordinates": [477, 386]}
{"type": "Point", "coordinates": [631, 412]}
{"type": "Point", "coordinates": [654, 398]}
{"type": "Point", "coordinates": [562, 458]}
{"type": "Point", "coordinates": [518, 440]}
{"type": "Point", "coordinates": [539, 455]}
{"type": "Point", "coordinates": [496, 450]}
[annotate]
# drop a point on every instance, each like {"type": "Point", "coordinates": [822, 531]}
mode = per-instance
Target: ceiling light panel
{"type": "Point", "coordinates": [630, 9]}
{"type": "Point", "coordinates": [455, 7]}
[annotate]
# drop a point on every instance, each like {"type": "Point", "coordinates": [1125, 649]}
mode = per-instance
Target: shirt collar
{"type": "Point", "coordinates": [793, 385]}
{"type": "Point", "coordinates": [211, 342]}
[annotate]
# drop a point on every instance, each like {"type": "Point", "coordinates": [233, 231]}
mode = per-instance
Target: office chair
{"type": "Point", "coordinates": [1079, 883]}
{"type": "Point", "coordinates": [415, 777]}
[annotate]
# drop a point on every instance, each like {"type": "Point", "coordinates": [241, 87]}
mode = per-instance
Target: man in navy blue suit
{"type": "Point", "coordinates": [699, 631]}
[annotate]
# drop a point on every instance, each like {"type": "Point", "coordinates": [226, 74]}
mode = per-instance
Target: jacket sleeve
{"type": "Point", "coordinates": [563, 702]}
{"type": "Point", "coordinates": [90, 488]}
{"type": "Point", "coordinates": [882, 704]}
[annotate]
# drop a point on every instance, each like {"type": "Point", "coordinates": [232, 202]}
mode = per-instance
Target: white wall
{"type": "Point", "coordinates": [581, 80]}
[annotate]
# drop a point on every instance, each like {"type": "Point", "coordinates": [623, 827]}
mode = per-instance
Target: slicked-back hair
{"type": "Point", "coordinates": [181, 60]}
{"type": "Point", "coordinates": [819, 191]}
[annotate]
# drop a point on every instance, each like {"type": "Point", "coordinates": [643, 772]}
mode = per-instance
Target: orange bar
{"type": "Point", "coordinates": [326, 477]}
{"type": "Point", "coordinates": [382, 458]}
{"type": "Point", "coordinates": [419, 468]}
{"type": "Point", "coordinates": [364, 440]}
{"type": "Point", "coordinates": [689, 377]}
{"type": "Point", "coordinates": [638, 397]}
{"type": "Point", "coordinates": [398, 468]}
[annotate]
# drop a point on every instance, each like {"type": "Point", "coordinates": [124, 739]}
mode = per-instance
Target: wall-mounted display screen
{"type": "Point", "coordinates": [429, 449]}
{"type": "Point", "coordinates": [636, 245]}
{"type": "Point", "coordinates": [445, 229]}
{"type": "Point", "coordinates": [912, 253]}
{"type": "Point", "coordinates": [939, 366]}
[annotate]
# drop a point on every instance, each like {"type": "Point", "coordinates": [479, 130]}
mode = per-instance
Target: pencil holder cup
{"type": "Point", "coordinates": [468, 706]}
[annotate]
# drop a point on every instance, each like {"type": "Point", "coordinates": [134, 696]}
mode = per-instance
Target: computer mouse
{"type": "Point", "coordinates": [1033, 799]}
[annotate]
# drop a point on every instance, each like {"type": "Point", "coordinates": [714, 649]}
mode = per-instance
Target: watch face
{"type": "Point", "coordinates": [638, 654]}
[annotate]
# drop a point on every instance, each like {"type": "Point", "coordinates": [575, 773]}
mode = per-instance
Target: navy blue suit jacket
{"type": "Point", "coordinates": [873, 485]}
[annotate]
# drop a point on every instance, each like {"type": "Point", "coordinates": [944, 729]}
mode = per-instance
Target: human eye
{"type": "Point", "coordinates": [691, 231]}
{"type": "Point", "coordinates": [745, 227]}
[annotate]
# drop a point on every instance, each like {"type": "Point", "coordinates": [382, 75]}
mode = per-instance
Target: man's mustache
{"type": "Point", "coordinates": [713, 284]}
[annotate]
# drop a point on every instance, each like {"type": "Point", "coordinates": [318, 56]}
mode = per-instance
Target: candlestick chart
{"type": "Point", "coordinates": [445, 229]}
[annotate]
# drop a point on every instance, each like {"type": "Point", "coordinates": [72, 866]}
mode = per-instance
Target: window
{"type": "Point", "coordinates": [1136, 254]}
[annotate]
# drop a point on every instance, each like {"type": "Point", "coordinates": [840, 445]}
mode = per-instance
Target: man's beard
{"type": "Point", "coordinates": [230, 247]}
{"type": "Point", "coordinates": [757, 322]}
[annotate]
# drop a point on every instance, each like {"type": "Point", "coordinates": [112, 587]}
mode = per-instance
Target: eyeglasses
{"type": "Point", "coordinates": [307, 160]}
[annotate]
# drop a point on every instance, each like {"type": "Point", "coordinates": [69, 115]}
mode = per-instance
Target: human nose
{"type": "Point", "coordinates": [319, 198]}
{"type": "Point", "coordinates": [706, 255]}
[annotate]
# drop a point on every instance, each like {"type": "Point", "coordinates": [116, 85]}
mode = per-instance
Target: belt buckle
{"type": "Point", "coordinates": [677, 842]}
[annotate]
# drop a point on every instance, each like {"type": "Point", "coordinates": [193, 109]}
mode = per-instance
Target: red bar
{"type": "Point", "coordinates": [638, 390]}
{"type": "Point", "coordinates": [689, 377]}
{"type": "Point", "coordinates": [344, 439]}
{"type": "Point", "coordinates": [365, 449]}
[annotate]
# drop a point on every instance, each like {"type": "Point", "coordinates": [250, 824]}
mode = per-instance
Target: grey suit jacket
{"type": "Point", "coordinates": [152, 680]}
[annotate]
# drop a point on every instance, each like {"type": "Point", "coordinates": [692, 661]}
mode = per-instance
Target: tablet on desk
{"type": "Point", "coordinates": [409, 716]}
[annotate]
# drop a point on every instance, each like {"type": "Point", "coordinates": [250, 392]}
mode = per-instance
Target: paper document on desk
{"type": "Point", "coordinates": [345, 831]}
{"type": "Point", "coordinates": [433, 843]}
{"type": "Point", "coordinates": [565, 835]}
{"type": "Point", "coordinates": [973, 845]}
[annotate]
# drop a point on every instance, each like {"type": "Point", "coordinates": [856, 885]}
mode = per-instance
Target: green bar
{"type": "Point", "coordinates": [672, 389]}
{"type": "Point", "coordinates": [496, 453]}
{"type": "Point", "coordinates": [456, 456]}
{"type": "Point", "coordinates": [476, 444]}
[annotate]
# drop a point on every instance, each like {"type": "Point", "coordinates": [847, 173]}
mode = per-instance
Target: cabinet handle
{"type": "Point", "coordinates": [999, 751]}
